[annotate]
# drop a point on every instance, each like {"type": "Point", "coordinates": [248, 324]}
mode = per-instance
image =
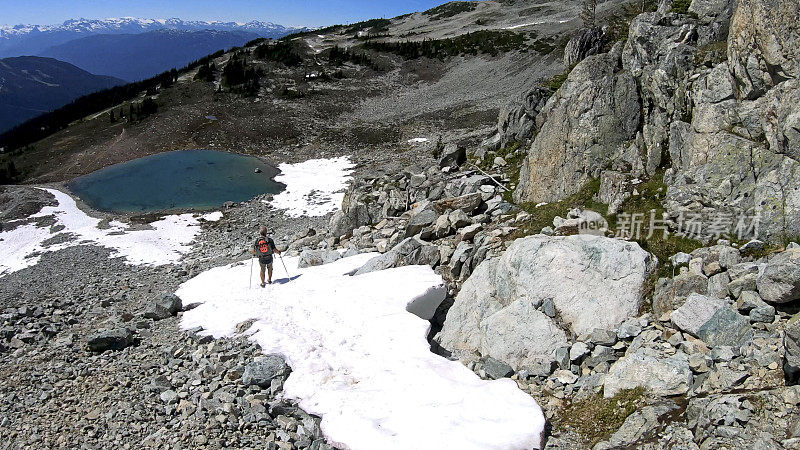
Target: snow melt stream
{"type": "Point", "coordinates": [165, 243]}
{"type": "Point", "coordinates": [361, 361]}
{"type": "Point", "coordinates": [314, 187]}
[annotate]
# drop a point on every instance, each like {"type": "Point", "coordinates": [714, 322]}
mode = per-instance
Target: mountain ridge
{"type": "Point", "coordinates": [32, 85]}
{"type": "Point", "coordinates": [134, 57]}
{"type": "Point", "coordinates": [27, 39]}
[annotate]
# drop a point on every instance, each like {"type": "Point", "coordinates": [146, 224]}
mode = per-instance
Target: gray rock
{"type": "Point", "coordinates": [763, 45]}
{"type": "Point", "coordinates": [671, 293]}
{"type": "Point", "coordinates": [167, 305]}
{"type": "Point", "coordinates": [469, 232]}
{"type": "Point", "coordinates": [459, 219]}
{"type": "Point", "coordinates": [629, 329]}
{"type": "Point", "coordinates": [535, 336]}
{"type": "Point", "coordinates": [647, 368]}
{"type": "Point", "coordinates": [453, 155]}
{"type": "Point", "coordinates": [116, 339]}
{"type": "Point", "coordinates": [594, 112]}
{"type": "Point", "coordinates": [726, 327]}
{"type": "Point", "coordinates": [765, 314]}
{"type": "Point", "coordinates": [421, 219]}
{"type": "Point", "coordinates": [791, 342]}
{"type": "Point", "coordinates": [411, 251]}
{"type": "Point", "coordinates": [263, 370]}
{"type": "Point", "coordinates": [779, 282]}
{"type": "Point", "coordinates": [594, 282]}
{"type": "Point", "coordinates": [310, 258]}
{"type": "Point", "coordinates": [680, 259]}
{"type": "Point", "coordinates": [497, 369]}
{"type": "Point", "coordinates": [578, 351]}
{"type": "Point", "coordinates": [586, 42]}
{"type": "Point", "coordinates": [517, 120]}
{"type": "Point", "coordinates": [697, 310]}
{"type": "Point", "coordinates": [604, 337]}
{"type": "Point", "coordinates": [718, 285]}
{"type": "Point", "coordinates": [747, 282]}
{"type": "Point", "coordinates": [169, 397]}
{"type": "Point", "coordinates": [722, 353]}
{"type": "Point", "coordinates": [749, 300]}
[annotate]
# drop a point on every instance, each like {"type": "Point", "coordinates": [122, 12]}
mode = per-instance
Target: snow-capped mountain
{"type": "Point", "coordinates": [31, 39]}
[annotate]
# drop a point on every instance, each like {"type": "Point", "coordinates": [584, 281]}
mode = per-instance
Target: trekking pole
{"type": "Point", "coordinates": [251, 273]}
{"type": "Point", "coordinates": [284, 267]}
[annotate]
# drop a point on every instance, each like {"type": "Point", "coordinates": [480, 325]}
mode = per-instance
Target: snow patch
{"type": "Point", "coordinates": [165, 243]}
{"type": "Point", "coordinates": [419, 140]}
{"type": "Point", "coordinates": [314, 187]}
{"type": "Point", "coordinates": [212, 216]}
{"type": "Point", "coordinates": [361, 361]}
{"type": "Point", "coordinates": [539, 22]}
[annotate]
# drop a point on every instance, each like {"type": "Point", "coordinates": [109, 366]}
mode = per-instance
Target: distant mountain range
{"type": "Point", "coordinates": [31, 85]}
{"type": "Point", "coordinates": [21, 40]}
{"type": "Point", "coordinates": [134, 57]}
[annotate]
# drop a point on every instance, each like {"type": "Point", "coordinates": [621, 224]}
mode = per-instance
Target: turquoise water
{"type": "Point", "coordinates": [200, 179]}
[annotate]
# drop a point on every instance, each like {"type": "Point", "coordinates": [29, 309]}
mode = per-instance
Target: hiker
{"type": "Point", "coordinates": [264, 247]}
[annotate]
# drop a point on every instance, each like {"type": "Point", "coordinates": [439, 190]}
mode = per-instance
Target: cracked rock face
{"type": "Point", "coordinates": [589, 118]}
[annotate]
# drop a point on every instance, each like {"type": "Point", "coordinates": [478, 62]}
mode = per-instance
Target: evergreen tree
{"type": "Point", "coordinates": [111, 116]}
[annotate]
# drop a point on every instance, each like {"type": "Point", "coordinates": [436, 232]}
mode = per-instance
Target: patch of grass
{"type": "Point", "coordinates": [479, 42]}
{"type": "Point", "coordinates": [450, 9]}
{"type": "Point", "coordinates": [544, 46]}
{"type": "Point", "coordinates": [596, 418]}
{"type": "Point", "coordinates": [558, 79]}
{"type": "Point", "coordinates": [681, 6]}
{"type": "Point", "coordinates": [640, 209]}
{"type": "Point", "coordinates": [646, 206]}
{"type": "Point", "coordinates": [543, 215]}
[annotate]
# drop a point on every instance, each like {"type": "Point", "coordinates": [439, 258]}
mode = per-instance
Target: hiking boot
{"type": "Point", "coordinates": [264, 284]}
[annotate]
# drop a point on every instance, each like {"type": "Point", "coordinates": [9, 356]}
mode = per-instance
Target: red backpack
{"type": "Point", "coordinates": [264, 247]}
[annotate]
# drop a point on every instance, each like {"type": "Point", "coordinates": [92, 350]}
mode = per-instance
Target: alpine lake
{"type": "Point", "coordinates": [177, 180]}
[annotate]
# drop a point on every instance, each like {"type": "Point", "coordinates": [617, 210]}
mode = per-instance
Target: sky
{"type": "Point", "coordinates": [285, 12]}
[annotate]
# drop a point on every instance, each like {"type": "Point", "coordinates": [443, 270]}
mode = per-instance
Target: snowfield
{"type": "Point", "coordinates": [165, 243]}
{"type": "Point", "coordinates": [314, 187]}
{"type": "Point", "coordinates": [361, 361]}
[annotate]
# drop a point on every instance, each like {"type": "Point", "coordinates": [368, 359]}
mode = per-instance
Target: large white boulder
{"type": "Point", "coordinates": [647, 368]}
{"type": "Point", "coordinates": [593, 282]}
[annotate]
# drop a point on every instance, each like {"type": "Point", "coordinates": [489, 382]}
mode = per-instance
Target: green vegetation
{"type": "Point", "coordinates": [544, 46]}
{"type": "Point", "coordinates": [8, 172]}
{"type": "Point", "coordinates": [648, 205]}
{"type": "Point", "coordinates": [238, 77]}
{"type": "Point", "coordinates": [543, 215]}
{"type": "Point", "coordinates": [450, 9]}
{"type": "Point", "coordinates": [640, 209]}
{"type": "Point", "coordinates": [558, 79]}
{"type": "Point", "coordinates": [681, 6]}
{"type": "Point", "coordinates": [596, 418]}
{"type": "Point", "coordinates": [206, 72]}
{"type": "Point", "coordinates": [484, 42]}
{"type": "Point", "coordinates": [284, 52]}
{"type": "Point", "coordinates": [339, 56]}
